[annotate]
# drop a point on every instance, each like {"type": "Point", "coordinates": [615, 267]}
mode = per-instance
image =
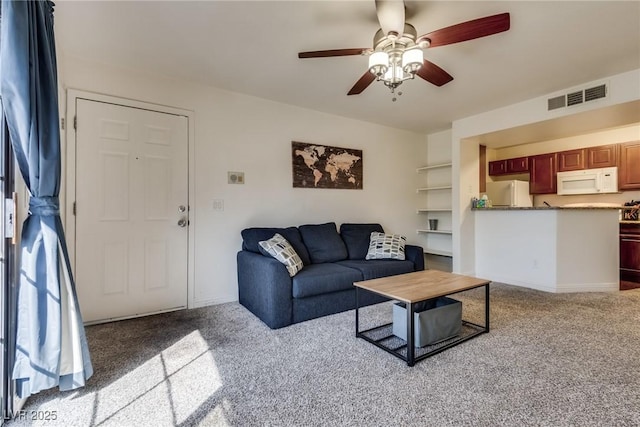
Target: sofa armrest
{"type": "Point", "coordinates": [264, 287]}
{"type": "Point", "coordinates": [416, 255]}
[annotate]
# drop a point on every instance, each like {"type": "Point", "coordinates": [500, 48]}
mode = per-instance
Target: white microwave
{"type": "Point", "coordinates": [588, 181]}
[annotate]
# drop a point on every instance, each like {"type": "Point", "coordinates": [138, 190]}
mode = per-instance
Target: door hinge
{"type": "Point", "coordinates": [75, 122]}
{"type": "Point", "coordinates": [74, 208]}
{"type": "Point", "coordinates": [62, 123]}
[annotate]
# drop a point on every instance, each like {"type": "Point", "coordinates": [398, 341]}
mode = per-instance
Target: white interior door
{"type": "Point", "coordinates": [131, 210]}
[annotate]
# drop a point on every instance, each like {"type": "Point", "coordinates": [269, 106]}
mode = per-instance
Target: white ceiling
{"type": "Point", "coordinates": [251, 47]}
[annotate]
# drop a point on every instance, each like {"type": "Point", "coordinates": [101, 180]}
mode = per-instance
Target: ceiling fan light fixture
{"type": "Point", "coordinates": [412, 60]}
{"type": "Point", "coordinates": [394, 75]}
{"type": "Point", "coordinates": [397, 54]}
{"type": "Point", "coordinates": [379, 63]}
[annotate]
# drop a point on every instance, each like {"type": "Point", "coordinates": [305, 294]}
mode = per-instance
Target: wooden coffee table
{"type": "Point", "coordinates": [412, 288]}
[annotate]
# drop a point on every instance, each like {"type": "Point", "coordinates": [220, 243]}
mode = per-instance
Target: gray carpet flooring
{"type": "Point", "coordinates": [549, 360]}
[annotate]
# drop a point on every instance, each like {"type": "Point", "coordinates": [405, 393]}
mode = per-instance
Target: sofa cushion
{"type": "Point", "coordinates": [356, 237]}
{"type": "Point", "coordinates": [318, 279]}
{"type": "Point", "coordinates": [251, 237]}
{"type": "Point", "coordinates": [279, 248]}
{"type": "Point", "coordinates": [386, 246]}
{"type": "Point", "coordinates": [323, 242]}
{"type": "Point", "coordinates": [376, 268]}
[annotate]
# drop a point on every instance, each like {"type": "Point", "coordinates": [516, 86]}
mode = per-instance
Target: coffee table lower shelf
{"type": "Point", "coordinates": [382, 337]}
{"type": "Point", "coordinates": [412, 288]}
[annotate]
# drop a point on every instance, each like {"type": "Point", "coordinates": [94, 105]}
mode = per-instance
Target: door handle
{"type": "Point", "coordinates": [14, 239]}
{"type": "Point", "coordinates": [10, 220]}
{"type": "Point", "coordinates": [182, 222]}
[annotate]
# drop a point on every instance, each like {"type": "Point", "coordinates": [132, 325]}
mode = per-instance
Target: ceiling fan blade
{"type": "Point", "coordinates": [434, 74]}
{"type": "Point", "coordinates": [364, 81]}
{"type": "Point", "coordinates": [469, 30]}
{"type": "Point", "coordinates": [333, 52]}
{"type": "Point", "coordinates": [391, 16]}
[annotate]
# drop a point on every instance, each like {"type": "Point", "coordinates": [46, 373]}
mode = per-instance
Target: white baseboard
{"type": "Point", "coordinates": [214, 301]}
{"type": "Point", "coordinates": [588, 287]}
{"type": "Point", "coordinates": [511, 281]}
{"type": "Point", "coordinates": [558, 288]}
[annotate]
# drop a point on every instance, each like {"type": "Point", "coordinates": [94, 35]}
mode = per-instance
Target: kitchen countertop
{"type": "Point", "coordinates": [546, 208]}
{"type": "Point", "coordinates": [551, 208]}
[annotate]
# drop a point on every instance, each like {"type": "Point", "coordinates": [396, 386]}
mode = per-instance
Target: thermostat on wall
{"type": "Point", "coordinates": [235, 177]}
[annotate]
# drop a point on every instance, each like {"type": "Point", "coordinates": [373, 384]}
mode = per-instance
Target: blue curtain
{"type": "Point", "coordinates": [51, 348]}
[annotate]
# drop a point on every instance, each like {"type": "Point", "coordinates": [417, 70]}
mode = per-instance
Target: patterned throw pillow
{"type": "Point", "coordinates": [386, 246]}
{"type": "Point", "coordinates": [279, 248]}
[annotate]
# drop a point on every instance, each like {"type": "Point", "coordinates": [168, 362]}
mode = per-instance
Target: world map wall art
{"type": "Point", "coordinates": [323, 166]}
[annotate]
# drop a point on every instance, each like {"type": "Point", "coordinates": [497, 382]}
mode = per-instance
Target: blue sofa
{"type": "Point", "coordinates": [332, 262]}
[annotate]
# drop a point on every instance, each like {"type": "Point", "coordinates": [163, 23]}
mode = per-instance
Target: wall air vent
{"type": "Point", "coordinates": [574, 98]}
{"type": "Point", "coordinates": [557, 102]}
{"type": "Point", "coordinates": [595, 92]}
{"type": "Point", "coordinates": [577, 97]}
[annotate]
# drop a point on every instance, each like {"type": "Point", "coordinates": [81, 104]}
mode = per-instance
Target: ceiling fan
{"type": "Point", "coordinates": [398, 53]}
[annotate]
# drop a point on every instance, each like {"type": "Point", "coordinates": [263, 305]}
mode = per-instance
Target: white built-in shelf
{"type": "Point", "coordinates": [435, 231]}
{"type": "Point", "coordinates": [437, 252]}
{"type": "Point", "coordinates": [437, 179]}
{"type": "Point", "coordinates": [444, 187]}
{"type": "Point", "coordinates": [426, 168]}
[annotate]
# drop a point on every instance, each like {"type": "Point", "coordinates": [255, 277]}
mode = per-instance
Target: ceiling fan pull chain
{"type": "Point", "coordinates": [394, 99]}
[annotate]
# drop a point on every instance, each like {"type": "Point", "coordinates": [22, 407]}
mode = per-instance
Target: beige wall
{"type": "Point", "coordinates": [235, 132]}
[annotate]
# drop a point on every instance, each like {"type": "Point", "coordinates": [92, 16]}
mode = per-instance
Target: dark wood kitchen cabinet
{"type": "Point", "coordinates": [572, 160]}
{"type": "Point", "coordinates": [498, 167]}
{"type": "Point", "coordinates": [630, 252]}
{"type": "Point", "coordinates": [543, 173]}
{"type": "Point", "coordinates": [518, 165]}
{"type": "Point", "coordinates": [603, 156]}
{"type": "Point", "coordinates": [509, 166]}
{"type": "Point", "coordinates": [629, 169]}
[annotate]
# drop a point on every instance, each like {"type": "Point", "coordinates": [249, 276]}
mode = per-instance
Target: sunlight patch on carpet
{"type": "Point", "coordinates": [174, 384]}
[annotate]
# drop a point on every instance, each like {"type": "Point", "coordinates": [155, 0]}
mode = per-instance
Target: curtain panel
{"type": "Point", "coordinates": [51, 347]}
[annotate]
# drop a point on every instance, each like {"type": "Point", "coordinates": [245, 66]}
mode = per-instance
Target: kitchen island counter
{"type": "Point", "coordinates": [554, 249]}
{"type": "Point", "coordinates": [546, 208]}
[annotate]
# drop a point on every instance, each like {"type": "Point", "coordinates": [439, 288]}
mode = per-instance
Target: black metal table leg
{"type": "Point", "coordinates": [409, 355]}
{"type": "Point", "coordinates": [357, 316]}
{"type": "Point", "coordinates": [411, 350]}
{"type": "Point", "coordinates": [486, 306]}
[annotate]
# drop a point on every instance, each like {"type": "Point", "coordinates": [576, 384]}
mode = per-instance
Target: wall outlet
{"type": "Point", "coordinates": [218, 205]}
{"type": "Point", "coordinates": [235, 177]}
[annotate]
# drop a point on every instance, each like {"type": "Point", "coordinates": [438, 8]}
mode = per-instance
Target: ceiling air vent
{"type": "Point", "coordinates": [595, 92]}
{"type": "Point", "coordinates": [574, 98]}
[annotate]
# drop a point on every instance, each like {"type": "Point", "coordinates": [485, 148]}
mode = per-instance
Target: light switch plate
{"type": "Point", "coordinates": [235, 177]}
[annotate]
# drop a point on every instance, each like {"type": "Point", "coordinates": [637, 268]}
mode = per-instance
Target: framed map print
{"type": "Point", "coordinates": [324, 166]}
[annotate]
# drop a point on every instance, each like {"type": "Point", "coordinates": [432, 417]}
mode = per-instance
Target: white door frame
{"type": "Point", "coordinates": [68, 187]}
